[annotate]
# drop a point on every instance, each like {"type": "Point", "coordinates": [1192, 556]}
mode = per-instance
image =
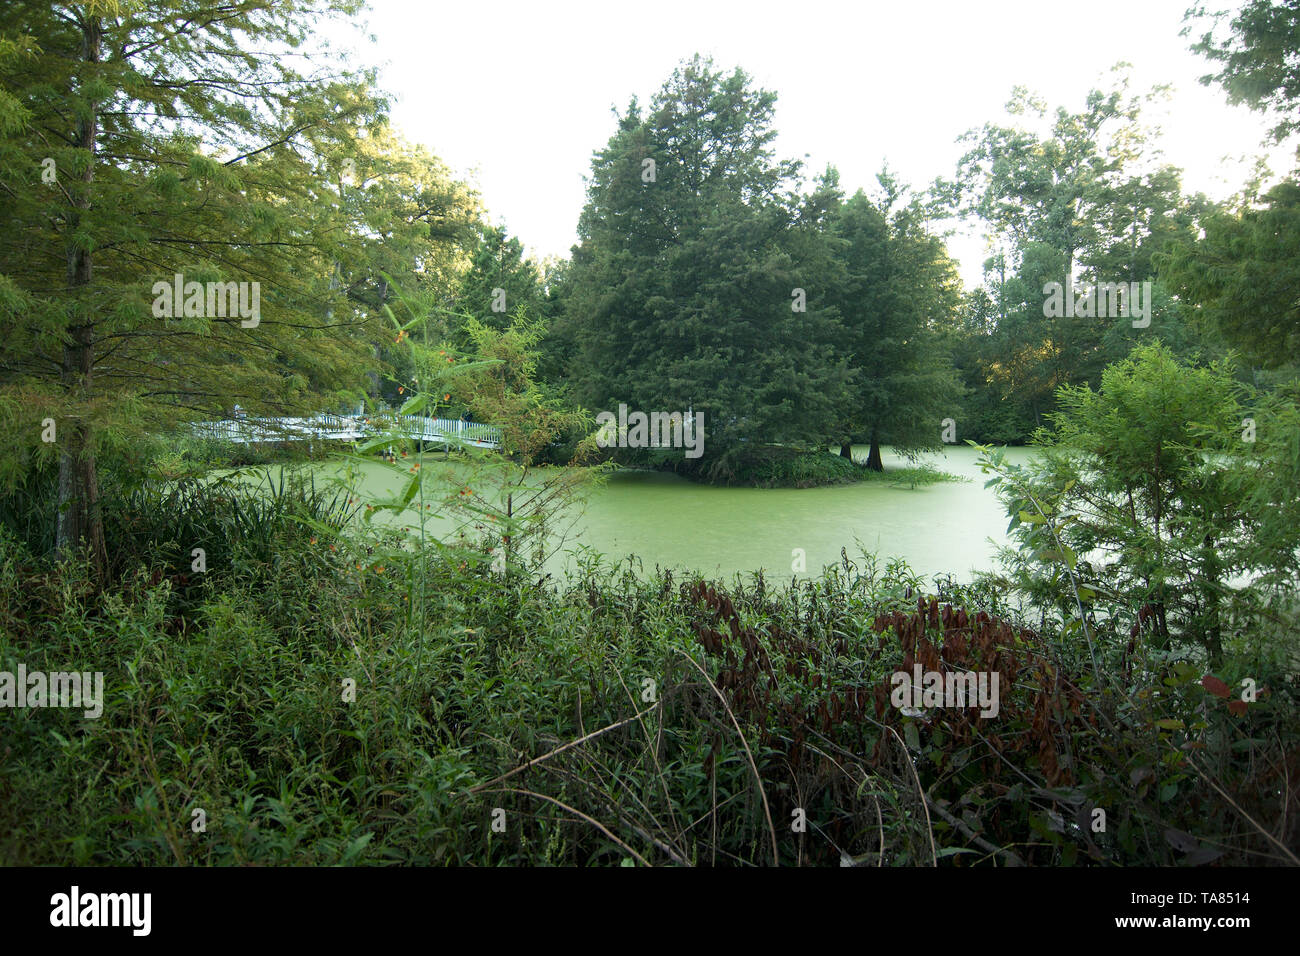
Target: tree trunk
{"type": "Point", "coordinates": [874, 461]}
{"type": "Point", "coordinates": [1213, 625]}
{"type": "Point", "coordinates": [1162, 626]}
{"type": "Point", "coordinates": [846, 450]}
{"type": "Point", "coordinates": [80, 519]}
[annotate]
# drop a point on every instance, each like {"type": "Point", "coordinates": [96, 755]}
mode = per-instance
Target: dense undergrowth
{"type": "Point", "coordinates": [811, 469]}
{"type": "Point", "coordinates": [778, 466]}
{"type": "Point", "coordinates": [616, 719]}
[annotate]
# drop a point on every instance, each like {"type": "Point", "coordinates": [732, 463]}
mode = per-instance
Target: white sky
{"type": "Point", "coordinates": [516, 96]}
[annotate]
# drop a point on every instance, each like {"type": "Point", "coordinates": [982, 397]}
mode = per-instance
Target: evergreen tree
{"type": "Point", "coordinates": [1258, 58]}
{"type": "Point", "coordinates": [697, 283]}
{"type": "Point", "coordinates": [139, 142]}
{"type": "Point", "coordinates": [500, 279]}
{"type": "Point", "coordinates": [1242, 276]}
{"type": "Point", "coordinates": [895, 293]}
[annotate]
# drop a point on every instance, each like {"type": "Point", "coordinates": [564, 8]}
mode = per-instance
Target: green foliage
{"type": "Point", "coordinates": [681, 290]}
{"type": "Point", "coordinates": [121, 194]}
{"type": "Point", "coordinates": [1068, 197]}
{"type": "Point", "coordinates": [498, 263]}
{"type": "Point", "coordinates": [790, 468]}
{"type": "Point", "coordinates": [1153, 497]}
{"type": "Point", "coordinates": [895, 290]}
{"type": "Point", "coordinates": [237, 704]}
{"type": "Point", "coordinates": [1079, 190]}
{"type": "Point", "coordinates": [776, 467]}
{"type": "Point", "coordinates": [331, 689]}
{"type": "Point", "coordinates": [1241, 276]}
{"type": "Point", "coordinates": [497, 492]}
{"type": "Point", "coordinates": [280, 174]}
{"type": "Point", "coordinates": [1257, 57]}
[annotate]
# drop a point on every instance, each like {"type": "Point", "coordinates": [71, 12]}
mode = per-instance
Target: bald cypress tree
{"type": "Point", "coordinates": [144, 141]}
{"type": "Point", "coordinates": [895, 293]}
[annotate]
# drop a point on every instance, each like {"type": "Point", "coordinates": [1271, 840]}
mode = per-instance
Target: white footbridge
{"type": "Point", "coordinates": [434, 431]}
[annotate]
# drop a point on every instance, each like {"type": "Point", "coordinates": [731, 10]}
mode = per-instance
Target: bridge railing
{"type": "Point", "coordinates": [448, 427]}
{"type": "Point", "coordinates": [446, 430]}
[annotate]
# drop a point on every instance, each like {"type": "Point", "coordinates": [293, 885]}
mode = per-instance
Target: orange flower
{"type": "Point", "coordinates": [332, 548]}
{"type": "Point", "coordinates": [313, 540]}
{"type": "Point", "coordinates": [401, 389]}
{"type": "Point", "coordinates": [446, 398]}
